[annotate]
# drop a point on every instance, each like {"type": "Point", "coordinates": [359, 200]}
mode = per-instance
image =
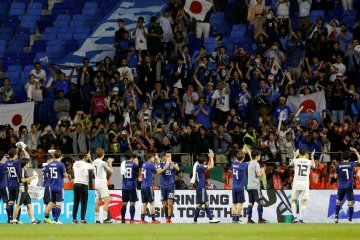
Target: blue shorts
{"type": "Point", "coordinates": [147, 195]}
{"type": "Point", "coordinates": [13, 194]}
{"type": "Point", "coordinates": [47, 195]}
{"type": "Point", "coordinates": [56, 196]}
{"type": "Point", "coordinates": [238, 196]}
{"type": "Point", "coordinates": [254, 195]}
{"type": "Point", "coordinates": [201, 196]}
{"type": "Point", "coordinates": [129, 195]}
{"type": "Point", "coordinates": [167, 193]}
{"type": "Point", "coordinates": [349, 192]}
{"type": "Point", "coordinates": [4, 194]}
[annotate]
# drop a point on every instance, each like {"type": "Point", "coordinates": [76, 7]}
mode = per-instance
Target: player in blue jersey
{"type": "Point", "coordinates": [147, 190]}
{"type": "Point", "coordinates": [13, 167]}
{"type": "Point", "coordinates": [167, 184]}
{"type": "Point", "coordinates": [129, 183]}
{"type": "Point", "coordinates": [56, 173]}
{"type": "Point", "coordinates": [46, 182]}
{"type": "Point", "coordinates": [344, 172]}
{"type": "Point", "coordinates": [24, 197]}
{"type": "Point", "coordinates": [202, 197]}
{"type": "Point", "coordinates": [4, 191]}
{"type": "Point", "coordinates": [238, 170]}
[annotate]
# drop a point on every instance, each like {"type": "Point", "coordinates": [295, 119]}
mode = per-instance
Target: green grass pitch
{"type": "Point", "coordinates": [180, 231]}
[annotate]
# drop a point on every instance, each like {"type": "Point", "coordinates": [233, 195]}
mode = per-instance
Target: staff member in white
{"type": "Point", "coordinates": [81, 182]}
{"type": "Point", "coordinates": [101, 170]}
{"type": "Point", "coordinates": [300, 187]}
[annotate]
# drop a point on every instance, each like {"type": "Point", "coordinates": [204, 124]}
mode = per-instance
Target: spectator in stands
{"type": "Point", "coordinates": [179, 182]}
{"type": "Point", "coordinates": [38, 72]}
{"type": "Point", "coordinates": [222, 144]}
{"type": "Point", "coordinates": [257, 14]}
{"type": "Point", "coordinates": [48, 138]}
{"type": "Point", "coordinates": [180, 76]}
{"type": "Point", "coordinates": [140, 34]}
{"type": "Point", "coordinates": [61, 106]}
{"type": "Point", "coordinates": [120, 49]}
{"type": "Point", "coordinates": [283, 14]}
{"type": "Point", "coordinates": [7, 94]}
{"type": "Point", "coordinates": [147, 74]}
{"type": "Point", "coordinates": [75, 100]}
{"type": "Point", "coordinates": [202, 113]}
{"type": "Point", "coordinates": [63, 141]}
{"type": "Point", "coordinates": [32, 139]}
{"type": "Point", "coordinates": [303, 17]}
{"type": "Point", "coordinates": [30, 88]}
{"type": "Point", "coordinates": [347, 4]}
{"type": "Point", "coordinates": [166, 22]}
{"type": "Point", "coordinates": [80, 139]}
{"type": "Point", "coordinates": [203, 27]}
{"type": "Point", "coordinates": [158, 98]}
{"type": "Point", "coordinates": [220, 100]}
{"type": "Point", "coordinates": [62, 82]}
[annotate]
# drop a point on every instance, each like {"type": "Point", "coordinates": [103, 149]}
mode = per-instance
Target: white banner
{"type": "Point", "coordinates": [321, 206]}
{"type": "Point", "coordinates": [17, 114]}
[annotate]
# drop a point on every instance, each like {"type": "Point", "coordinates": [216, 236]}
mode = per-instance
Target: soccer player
{"type": "Point", "coordinates": [4, 191]}
{"type": "Point", "coordinates": [238, 169]}
{"type": "Point", "coordinates": [253, 188]}
{"type": "Point", "coordinates": [102, 170]}
{"type": "Point", "coordinates": [147, 190]}
{"type": "Point", "coordinates": [202, 197]}
{"type": "Point", "coordinates": [344, 172]}
{"type": "Point", "coordinates": [81, 182]}
{"type": "Point", "coordinates": [13, 166]}
{"type": "Point", "coordinates": [129, 184]}
{"type": "Point", "coordinates": [46, 182]}
{"type": "Point", "coordinates": [56, 173]}
{"type": "Point", "coordinates": [167, 183]}
{"type": "Point", "coordinates": [24, 197]}
{"type": "Point", "coordinates": [301, 182]}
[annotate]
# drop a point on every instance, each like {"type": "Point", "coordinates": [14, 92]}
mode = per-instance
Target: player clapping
{"type": "Point", "coordinates": [300, 187]}
{"type": "Point", "coordinates": [344, 172]}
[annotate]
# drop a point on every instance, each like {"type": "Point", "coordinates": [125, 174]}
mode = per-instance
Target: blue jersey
{"type": "Point", "coordinates": [3, 182]}
{"type": "Point", "coordinates": [130, 176]}
{"type": "Point", "coordinates": [55, 171]}
{"type": "Point", "coordinates": [167, 178]}
{"type": "Point", "coordinates": [345, 171]}
{"type": "Point", "coordinates": [148, 169]}
{"type": "Point", "coordinates": [13, 168]}
{"type": "Point", "coordinates": [46, 182]}
{"type": "Point", "coordinates": [201, 181]}
{"type": "Point", "coordinates": [238, 170]}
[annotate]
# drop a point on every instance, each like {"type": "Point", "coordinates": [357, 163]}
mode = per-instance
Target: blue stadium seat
{"type": "Point", "coordinates": [90, 8]}
{"type": "Point", "coordinates": [17, 9]}
{"type": "Point", "coordinates": [210, 47]}
{"type": "Point", "coordinates": [57, 10]}
{"type": "Point", "coordinates": [11, 22]}
{"type": "Point", "coordinates": [315, 14]}
{"type": "Point", "coordinates": [34, 9]}
{"type": "Point", "coordinates": [43, 22]}
{"type": "Point", "coordinates": [70, 46]}
{"type": "Point", "coordinates": [50, 33]}
{"type": "Point", "coordinates": [38, 46]}
{"type": "Point", "coordinates": [13, 75]}
{"type": "Point", "coordinates": [23, 34]}
{"type": "Point", "coordinates": [194, 44]}
{"type": "Point", "coordinates": [55, 42]}
{"type": "Point", "coordinates": [9, 59]}
{"type": "Point", "coordinates": [238, 27]}
{"type": "Point", "coordinates": [14, 68]}
{"type": "Point", "coordinates": [4, 7]}
{"type": "Point", "coordinates": [65, 34]}
{"type": "Point", "coordinates": [54, 49]}
{"type": "Point", "coordinates": [3, 44]}
{"type": "Point", "coordinates": [209, 40]}
{"type": "Point", "coordinates": [26, 58]}
{"type": "Point", "coordinates": [349, 17]}
{"type": "Point", "coordinates": [29, 22]}
{"type": "Point", "coordinates": [237, 33]}
{"type": "Point", "coordinates": [16, 46]}
{"type": "Point", "coordinates": [6, 33]}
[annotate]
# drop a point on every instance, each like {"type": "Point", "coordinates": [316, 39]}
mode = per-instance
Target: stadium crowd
{"type": "Point", "coordinates": [156, 96]}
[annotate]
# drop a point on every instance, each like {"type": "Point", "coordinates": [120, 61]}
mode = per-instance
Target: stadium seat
{"type": "Point", "coordinates": [239, 27]}
{"type": "Point", "coordinates": [4, 7]}
{"type": "Point", "coordinates": [90, 8]}
{"type": "Point", "coordinates": [16, 46]}
{"type": "Point", "coordinates": [11, 22]}
{"type": "Point", "coordinates": [43, 22]}
{"type": "Point", "coordinates": [29, 22]}
{"type": "Point", "coordinates": [315, 14]}
{"type": "Point", "coordinates": [6, 33]}
{"type": "Point", "coordinates": [65, 34]}
{"type": "Point", "coordinates": [17, 9]}
{"type": "Point", "coordinates": [13, 75]}
{"type": "Point", "coordinates": [23, 34]}
{"type": "Point", "coordinates": [237, 33]}
{"type": "Point", "coordinates": [34, 9]}
{"type": "Point", "coordinates": [14, 68]}
{"type": "Point", "coordinates": [50, 33]}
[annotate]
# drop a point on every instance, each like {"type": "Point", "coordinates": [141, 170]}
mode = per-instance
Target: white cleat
{"type": "Point", "coordinates": [350, 221]}
{"type": "Point", "coordinates": [214, 220]}
{"type": "Point", "coordinates": [241, 222]}
{"type": "Point", "coordinates": [58, 222]}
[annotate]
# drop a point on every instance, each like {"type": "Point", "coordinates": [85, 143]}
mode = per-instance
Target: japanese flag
{"type": "Point", "coordinates": [314, 102]}
{"type": "Point", "coordinates": [17, 114]}
{"type": "Point", "coordinates": [197, 8]}
{"type": "Point", "coordinates": [275, 67]}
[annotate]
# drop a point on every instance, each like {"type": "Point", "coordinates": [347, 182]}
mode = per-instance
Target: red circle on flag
{"type": "Point", "coordinates": [308, 105]}
{"type": "Point", "coordinates": [16, 119]}
{"type": "Point", "coordinates": [195, 7]}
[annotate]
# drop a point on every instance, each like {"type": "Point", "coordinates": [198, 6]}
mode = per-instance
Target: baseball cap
{"type": "Point", "coordinates": [115, 90]}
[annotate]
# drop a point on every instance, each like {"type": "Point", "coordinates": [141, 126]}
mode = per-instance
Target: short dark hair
{"type": "Point", "coordinates": [81, 155]}
{"type": "Point", "coordinates": [201, 160]}
{"type": "Point", "coordinates": [255, 153]}
{"type": "Point", "coordinates": [346, 156]}
{"type": "Point", "coordinates": [12, 152]}
{"type": "Point", "coordinates": [149, 155]}
{"type": "Point", "coordinates": [141, 18]}
{"type": "Point", "coordinates": [24, 161]}
{"type": "Point", "coordinates": [57, 154]}
{"type": "Point", "coordinates": [128, 155]}
{"type": "Point", "coordinates": [302, 151]}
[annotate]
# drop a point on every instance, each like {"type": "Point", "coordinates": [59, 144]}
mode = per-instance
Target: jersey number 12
{"type": "Point", "coordinates": [302, 170]}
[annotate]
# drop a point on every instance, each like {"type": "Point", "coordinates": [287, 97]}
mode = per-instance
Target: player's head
{"type": "Point", "coordinates": [240, 156]}
{"type": "Point", "coordinates": [57, 154]}
{"type": "Point", "coordinates": [82, 156]}
{"type": "Point", "coordinates": [202, 161]}
{"type": "Point", "coordinates": [150, 157]}
{"type": "Point", "coordinates": [167, 156]}
{"type": "Point", "coordinates": [302, 151]}
{"type": "Point", "coordinates": [25, 163]}
{"type": "Point", "coordinates": [256, 155]}
{"type": "Point", "coordinates": [100, 153]}
{"type": "Point", "coordinates": [13, 153]}
{"type": "Point", "coordinates": [128, 155]}
{"type": "Point", "coordinates": [346, 156]}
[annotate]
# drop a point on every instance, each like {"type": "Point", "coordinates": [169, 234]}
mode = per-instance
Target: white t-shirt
{"type": "Point", "coordinates": [127, 73]}
{"type": "Point", "coordinates": [40, 75]}
{"type": "Point", "coordinates": [140, 39]}
{"type": "Point", "coordinates": [301, 173]}
{"type": "Point", "coordinates": [100, 168]}
{"type": "Point", "coordinates": [81, 172]}
{"type": "Point", "coordinates": [189, 105]}
{"type": "Point", "coordinates": [222, 100]}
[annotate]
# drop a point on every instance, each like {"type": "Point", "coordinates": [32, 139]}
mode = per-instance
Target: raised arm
{"type": "Point", "coordinates": [211, 160]}
{"type": "Point", "coordinates": [356, 152]}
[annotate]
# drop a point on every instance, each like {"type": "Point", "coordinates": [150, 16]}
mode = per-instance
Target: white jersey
{"type": "Point", "coordinates": [100, 168]}
{"type": "Point", "coordinates": [81, 172]}
{"type": "Point", "coordinates": [301, 173]}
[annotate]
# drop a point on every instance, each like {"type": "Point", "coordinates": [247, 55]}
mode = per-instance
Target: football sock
{"type": "Point", "coordinates": [351, 212]}
{"type": "Point", "coordinates": [8, 212]}
{"type": "Point", "coordinates": [142, 217]}
{"type": "Point", "coordinates": [234, 218]}
{"type": "Point", "coordinates": [19, 214]}
{"type": "Point", "coordinates": [153, 217]}
{"type": "Point", "coordinates": [237, 218]}
{"type": "Point", "coordinates": [105, 215]}
{"type": "Point", "coordinates": [47, 215]}
{"type": "Point", "coordinates": [58, 212]}
{"type": "Point", "coordinates": [123, 212]}
{"type": "Point", "coordinates": [208, 213]}
{"type": "Point", "coordinates": [11, 211]}
{"type": "Point", "coordinates": [132, 212]}
{"type": "Point", "coordinates": [337, 210]}
{"type": "Point", "coordinates": [166, 212]}
{"type": "Point", "coordinates": [260, 211]}
{"type": "Point", "coordinates": [302, 211]}
{"type": "Point", "coordinates": [249, 212]}
{"type": "Point", "coordinates": [197, 212]}
{"type": "Point", "coordinates": [97, 216]}
{"type": "Point", "coordinates": [294, 210]}
{"type": "Point", "coordinates": [53, 212]}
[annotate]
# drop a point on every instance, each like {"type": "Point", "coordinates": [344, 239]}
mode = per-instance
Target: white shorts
{"type": "Point", "coordinates": [300, 194]}
{"type": "Point", "coordinates": [102, 192]}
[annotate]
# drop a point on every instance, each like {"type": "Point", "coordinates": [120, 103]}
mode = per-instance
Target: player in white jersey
{"type": "Point", "coordinates": [101, 170]}
{"type": "Point", "coordinates": [300, 186]}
